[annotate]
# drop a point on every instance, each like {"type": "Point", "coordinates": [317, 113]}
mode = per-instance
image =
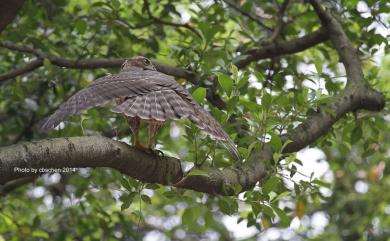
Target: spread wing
{"type": "Point", "coordinates": [149, 95]}
{"type": "Point", "coordinates": [174, 102]}
{"type": "Point", "coordinates": [102, 90]}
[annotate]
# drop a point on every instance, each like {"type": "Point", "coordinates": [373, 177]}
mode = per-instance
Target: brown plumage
{"type": "Point", "coordinates": [141, 92]}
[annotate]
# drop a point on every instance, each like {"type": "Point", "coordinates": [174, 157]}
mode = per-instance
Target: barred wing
{"type": "Point", "coordinates": [174, 102]}
{"type": "Point", "coordinates": [100, 91]}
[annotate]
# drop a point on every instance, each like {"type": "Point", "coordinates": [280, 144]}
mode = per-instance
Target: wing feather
{"type": "Point", "coordinates": [125, 84]}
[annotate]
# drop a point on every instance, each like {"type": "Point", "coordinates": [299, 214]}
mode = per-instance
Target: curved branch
{"type": "Point", "coordinates": [282, 48]}
{"type": "Point", "coordinates": [8, 11]}
{"type": "Point", "coordinates": [87, 151]}
{"type": "Point", "coordinates": [255, 54]}
{"type": "Point", "coordinates": [22, 70]}
{"type": "Point", "coordinates": [347, 52]}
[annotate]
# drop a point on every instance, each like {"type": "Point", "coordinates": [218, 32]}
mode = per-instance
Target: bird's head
{"type": "Point", "coordinates": [138, 62]}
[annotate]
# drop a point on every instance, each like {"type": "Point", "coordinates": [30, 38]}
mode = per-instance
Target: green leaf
{"type": "Point", "coordinates": [266, 101]}
{"type": "Point", "coordinates": [285, 220]}
{"type": "Point", "coordinates": [224, 206]}
{"type": "Point", "coordinates": [280, 196]}
{"type": "Point", "coordinates": [146, 199]}
{"type": "Point", "coordinates": [270, 184]}
{"type": "Point", "coordinates": [125, 183]}
{"type": "Point", "coordinates": [46, 63]}
{"type": "Point", "coordinates": [81, 26]}
{"type": "Point", "coordinates": [170, 194]}
{"type": "Point", "coordinates": [234, 71]}
{"type": "Point", "coordinates": [152, 186]}
{"type": "Point", "coordinates": [293, 170]}
{"type": "Point", "coordinates": [356, 134]}
{"type": "Point", "coordinates": [321, 183]}
{"type": "Point", "coordinates": [127, 199]}
{"type": "Point", "coordinates": [276, 143]}
{"type": "Point", "coordinates": [188, 218]}
{"type": "Point", "coordinates": [125, 205]}
{"type": "Point", "coordinates": [267, 210]}
{"type": "Point", "coordinates": [227, 205]}
{"type": "Point", "coordinates": [116, 4]}
{"type": "Point", "coordinates": [318, 63]}
{"type": "Point", "coordinates": [297, 189]}
{"type": "Point", "coordinates": [40, 234]}
{"type": "Point", "coordinates": [226, 83]}
{"type": "Point", "coordinates": [199, 94]}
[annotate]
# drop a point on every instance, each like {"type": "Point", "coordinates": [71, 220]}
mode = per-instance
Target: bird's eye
{"type": "Point", "coordinates": [146, 61]}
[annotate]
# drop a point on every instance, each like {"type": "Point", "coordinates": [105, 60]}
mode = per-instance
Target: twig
{"type": "Point", "coordinates": [282, 48]}
{"type": "Point", "coordinates": [157, 20]}
{"type": "Point", "coordinates": [248, 15]}
{"type": "Point", "coordinates": [22, 70]}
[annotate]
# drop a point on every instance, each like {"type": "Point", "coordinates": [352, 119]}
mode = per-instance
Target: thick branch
{"type": "Point", "coordinates": [347, 52]}
{"type": "Point", "coordinates": [318, 124]}
{"type": "Point", "coordinates": [92, 151]}
{"type": "Point", "coordinates": [281, 48]}
{"type": "Point", "coordinates": [8, 11]}
{"type": "Point", "coordinates": [103, 152]}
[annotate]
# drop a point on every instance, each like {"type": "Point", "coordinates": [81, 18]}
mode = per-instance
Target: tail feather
{"type": "Point", "coordinates": [204, 121]}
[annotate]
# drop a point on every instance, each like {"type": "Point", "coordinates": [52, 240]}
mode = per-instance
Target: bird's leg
{"type": "Point", "coordinates": [154, 126]}
{"type": "Point", "coordinates": [135, 124]}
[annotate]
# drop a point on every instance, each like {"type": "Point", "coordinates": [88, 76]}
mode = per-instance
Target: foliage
{"type": "Point", "coordinates": [271, 97]}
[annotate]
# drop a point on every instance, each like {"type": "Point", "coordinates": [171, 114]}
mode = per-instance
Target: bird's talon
{"type": "Point", "coordinates": [156, 152]}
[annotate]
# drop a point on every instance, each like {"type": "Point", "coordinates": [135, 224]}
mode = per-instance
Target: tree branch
{"type": "Point", "coordinates": [347, 53]}
{"type": "Point", "coordinates": [280, 23]}
{"type": "Point", "coordinates": [85, 64]}
{"type": "Point", "coordinates": [87, 151]}
{"type": "Point", "coordinates": [103, 152]}
{"type": "Point", "coordinates": [14, 184]}
{"type": "Point", "coordinates": [248, 15]}
{"type": "Point", "coordinates": [281, 48]}
{"type": "Point", "coordinates": [157, 20]}
{"type": "Point", "coordinates": [22, 70]}
{"type": "Point", "coordinates": [255, 54]}
{"type": "Point", "coordinates": [8, 11]}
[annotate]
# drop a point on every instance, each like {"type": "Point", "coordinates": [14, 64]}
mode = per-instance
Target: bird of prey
{"type": "Point", "coordinates": [142, 93]}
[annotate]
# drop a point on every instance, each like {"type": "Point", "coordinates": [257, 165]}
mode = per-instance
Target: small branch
{"type": "Point", "coordinates": [85, 64]}
{"type": "Point", "coordinates": [282, 48]}
{"type": "Point", "coordinates": [347, 53]}
{"type": "Point", "coordinates": [255, 54]}
{"type": "Point", "coordinates": [280, 23]}
{"type": "Point", "coordinates": [22, 70]}
{"type": "Point", "coordinates": [177, 72]}
{"type": "Point", "coordinates": [248, 15]}
{"type": "Point", "coordinates": [157, 20]}
{"type": "Point", "coordinates": [14, 184]}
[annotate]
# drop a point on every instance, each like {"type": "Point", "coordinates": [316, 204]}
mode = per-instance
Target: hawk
{"type": "Point", "coordinates": [142, 93]}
